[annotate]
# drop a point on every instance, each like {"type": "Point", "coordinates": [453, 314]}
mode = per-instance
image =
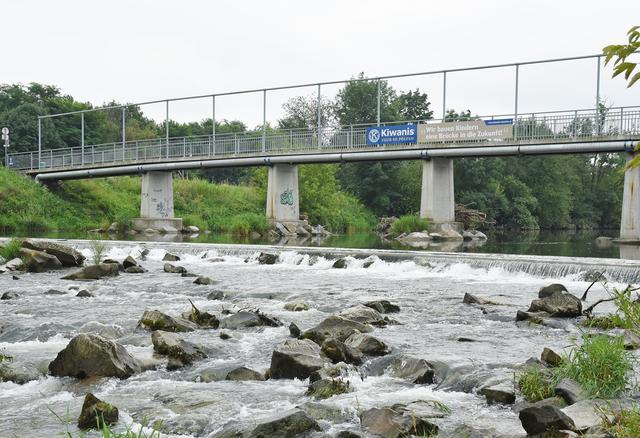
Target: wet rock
{"type": "Point", "coordinates": [171, 345]}
{"type": "Point", "coordinates": [367, 264]}
{"type": "Point", "coordinates": [170, 258]}
{"type": "Point", "coordinates": [631, 340]}
{"type": "Point", "coordinates": [367, 344]}
{"type": "Point", "coordinates": [246, 319]}
{"type": "Point", "coordinates": [296, 306]}
{"type": "Point", "coordinates": [96, 413]}
{"type": "Point", "coordinates": [188, 274]}
{"type": "Point", "coordinates": [266, 258]}
{"type": "Point", "coordinates": [202, 280]}
{"type": "Point", "coordinates": [585, 414]}
{"type": "Point", "coordinates": [394, 423]}
{"type": "Point", "coordinates": [135, 270]}
{"type": "Point", "coordinates": [203, 319]}
{"type": "Point", "coordinates": [15, 265]}
{"type": "Point", "coordinates": [502, 393]}
{"type": "Point", "coordinates": [337, 351]}
{"type": "Point", "coordinates": [412, 369]}
{"type": "Point", "coordinates": [244, 373]}
{"type": "Point", "coordinates": [84, 294]}
{"type": "Point", "coordinates": [472, 299]}
{"type": "Point", "coordinates": [10, 295]}
{"type": "Point", "coordinates": [19, 374]}
{"type": "Point", "coordinates": [89, 355]}
{"type": "Point", "coordinates": [294, 330]}
{"type": "Point", "coordinates": [592, 275]}
{"type": "Point", "coordinates": [550, 357]}
{"type": "Point", "coordinates": [327, 388]}
{"type": "Point", "coordinates": [348, 434]}
{"type": "Point", "coordinates": [168, 267]}
{"type": "Point", "coordinates": [541, 417]}
{"type": "Point", "coordinates": [570, 391]}
{"type": "Point", "coordinates": [340, 264]}
{"type": "Point", "coordinates": [533, 318]}
{"type": "Point", "coordinates": [39, 261]}
{"type": "Point", "coordinates": [15, 277]}
{"type": "Point", "coordinates": [466, 431]}
{"type": "Point", "coordinates": [65, 254]}
{"type": "Point", "coordinates": [156, 320]}
{"type": "Point", "coordinates": [225, 336]}
{"type": "Point", "coordinates": [558, 303]}
{"type": "Point", "coordinates": [324, 412]}
{"type": "Point", "coordinates": [547, 291]}
{"type": "Point", "coordinates": [382, 306]}
{"type": "Point", "coordinates": [114, 262]}
{"type": "Point", "coordinates": [364, 315]}
{"type": "Point", "coordinates": [418, 236]}
{"type": "Point", "coordinates": [55, 292]}
{"type": "Point", "coordinates": [191, 229]}
{"type": "Point", "coordinates": [296, 359]}
{"type": "Point", "coordinates": [129, 262]}
{"type": "Point", "coordinates": [335, 327]}
{"type": "Point", "coordinates": [290, 423]}
{"type": "Point", "coordinates": [216, 295]}
{"type": "Point", "coordinates": [94, 272]}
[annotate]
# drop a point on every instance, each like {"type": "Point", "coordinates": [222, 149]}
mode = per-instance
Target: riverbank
{"type": "Point", "coordinates": [97, 203]}
{"type": "Point", "coordinates": [468, 352]}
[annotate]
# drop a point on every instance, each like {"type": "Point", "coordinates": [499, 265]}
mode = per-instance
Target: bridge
{"type": "Point", "coordinates": [435, 142]}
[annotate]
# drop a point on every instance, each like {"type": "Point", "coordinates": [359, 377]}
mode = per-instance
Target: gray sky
{"type": "Point", "coordinates": [139, 50]}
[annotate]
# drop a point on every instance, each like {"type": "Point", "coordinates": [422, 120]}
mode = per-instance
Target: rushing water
{"type": "Point", "coordinates": [427, 286]}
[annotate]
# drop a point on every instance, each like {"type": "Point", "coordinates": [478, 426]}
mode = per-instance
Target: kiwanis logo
{"type": "Point", "coordinates": [374, 135]}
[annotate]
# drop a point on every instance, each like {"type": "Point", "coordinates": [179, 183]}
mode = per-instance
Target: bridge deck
{"type": "Point", "coordinates": [562, 128]}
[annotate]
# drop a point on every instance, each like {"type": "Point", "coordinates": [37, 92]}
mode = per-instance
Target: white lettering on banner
{"type": "Point", "coordinates": [471, 130]}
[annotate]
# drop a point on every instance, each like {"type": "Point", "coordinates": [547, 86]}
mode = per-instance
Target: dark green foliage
{"type": "Point", "coordinates": [409, 224]}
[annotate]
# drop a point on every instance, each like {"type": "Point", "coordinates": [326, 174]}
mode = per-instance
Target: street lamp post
{"type": "Point", "coordinates": [5, 137]}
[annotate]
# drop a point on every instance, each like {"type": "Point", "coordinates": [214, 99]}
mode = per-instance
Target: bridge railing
{"type": "Point", "coordinates": [558, 126]}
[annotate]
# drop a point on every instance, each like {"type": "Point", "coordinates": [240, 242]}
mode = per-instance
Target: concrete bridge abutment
{"type": "Point", "coordinates": [283, 200]}
{"type": "Point", "coordinates": [630, 220]}
{"type": "Point", "coordinates": [437, 200]}
{"type": "Point", "coordinates": [156, 204]}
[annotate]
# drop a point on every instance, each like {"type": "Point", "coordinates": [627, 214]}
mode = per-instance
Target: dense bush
{"type": "Point", "coordinates": [409, 224]}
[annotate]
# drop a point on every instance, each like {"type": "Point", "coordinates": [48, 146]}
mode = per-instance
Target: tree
{"type": "Point", "coordinates": [413, 106]}
{"type": "Point", "coordinates": [302, 112]}
{"type": "Point", "coordinates": [620, 52]}
{"type": "Point", "coordinates": [357, 102]}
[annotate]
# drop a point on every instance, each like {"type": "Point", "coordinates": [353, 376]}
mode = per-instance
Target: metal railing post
{"type": "Point", "coordinates": [319, 118]}
{"type": "Point", "coordinates": [621, 123]}
{"type": "Point", "coordinates": [264, 120]}
{"type": "Point", "coordinates": [82, 137]}
{"type": "Point", "coordinates": [378, 104]}
{"type": "Point", "coordinates": [235, 141]}
{"type": "Point", "coordinates": [167, 128]}
{"type": "Point", "coordinates": [39, 141]}
{"type": "Point", "coordinates": [31, 156]}
{"type": "Point", "coordinates": [124, 132]}
{"type": "Point", "coordinates": [598, 127]}
{"type": "Point", "coordinates": [444, 95]}
{"type": "Point", "coordinates": [213, 123]}
{"type": "Point", "coordinates": [515, 111]}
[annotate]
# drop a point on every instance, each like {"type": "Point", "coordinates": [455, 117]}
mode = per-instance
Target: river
{"type": "Point", "coordinates": [428, 287]}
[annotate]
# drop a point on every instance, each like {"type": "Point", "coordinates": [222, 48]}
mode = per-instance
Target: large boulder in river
{"type": "Point", "coordinates": [94, 272]}
{"type": "Point", "coordinates": [338, 352]}
{"type": "Point", "coordinates": [156, 320]}
{"type": "Point", "coordinates": [246, 319]}
{"type": "Point", "coordinates": [266, 258]}
{"type": "Point", "coordinates": [367, 344]}
{"type": "Point", "coordinates": [287, 424]}
{"type": "Point", "coordinates": [89, 355]}
{"type": "Point", "coordinates": [544, 416]}
{"type": "Point", "coordinates": [547, 291]}
{"type": "Point", "coordinates": [364, 315]}
{"type": "Point", "coordinates": [335, 327]}
{"type": "Point", "coordinates": [39, 261]}
{"type": "Point", "coordinates": [65, 254]}
{"type": "Point", "coordinates": [296, 359]}
{"type": "Point", "coordinates": [96, 413]}
{"type": "Point", "coordinates": [383, 306]}
{"type": "Point", "coordinates": [171, 345]}
{"type": "Point", "coordinates": [412, 369]}
{"type": "Point", "coordinates": [393, 422]}
{"type": "Point", "coordinates": [558, 303]}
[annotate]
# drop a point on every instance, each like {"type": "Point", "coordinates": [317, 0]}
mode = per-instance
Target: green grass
{"type": "Point", "coordinates": [96, 203]}
{"type": "Point", "coordinates": [536, 384]}
{"type": "Point", "coordinates": [601, 365]}
{"type": "Point", "coordinates": [409, 224]}
{"type": "Point", "coordinates": [625, 424]}
{"type": "Point", "coordinates": [11, 249]}
{"type": "Point", "coordinates": [603, 322]}
{"type": "Point", "coordinates": [627, 315]}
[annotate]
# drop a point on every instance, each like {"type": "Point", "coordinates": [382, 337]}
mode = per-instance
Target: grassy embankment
{"type": "Point", "coordinates": [87, 204]}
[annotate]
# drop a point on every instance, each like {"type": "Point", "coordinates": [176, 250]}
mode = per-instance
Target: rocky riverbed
{"type": "Point", "coordinates": [206, 341]}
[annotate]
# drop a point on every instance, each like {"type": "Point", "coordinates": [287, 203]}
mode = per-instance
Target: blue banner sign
{"type": "Point", "coordinates": [397, 134]}
{"type": "Point", "coordinates": [498, 122]}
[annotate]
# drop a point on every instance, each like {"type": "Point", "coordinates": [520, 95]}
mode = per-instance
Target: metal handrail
{"type": "Point", "coordinates": [563, 127]}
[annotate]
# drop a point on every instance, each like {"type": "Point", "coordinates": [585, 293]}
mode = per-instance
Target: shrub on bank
{"type": "Point", "coordinates": [11, 249]}
{"type": "Point", "coordinates": [409, 224]}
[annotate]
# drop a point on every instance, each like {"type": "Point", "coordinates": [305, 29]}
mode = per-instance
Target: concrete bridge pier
{"type": "Point", "coordinates": [156, 204]}
{"type": "Point", "coordinates": [283, 201]}
{"type": "Point", "coordinates": [630, 221]}
{"type": "Point", "coordinates": [437, 200]}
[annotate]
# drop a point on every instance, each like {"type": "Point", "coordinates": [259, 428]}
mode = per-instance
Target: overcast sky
{"type": "Point", "coordinates": [140, 50]}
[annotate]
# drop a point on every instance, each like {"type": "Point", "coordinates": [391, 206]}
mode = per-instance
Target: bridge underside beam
{"type": "Point", "coordinates": [381, 155]}
{"type": "Point", "coordinates": [283, 201]}
{"type": "Point", "coordinates": [156, 204]}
